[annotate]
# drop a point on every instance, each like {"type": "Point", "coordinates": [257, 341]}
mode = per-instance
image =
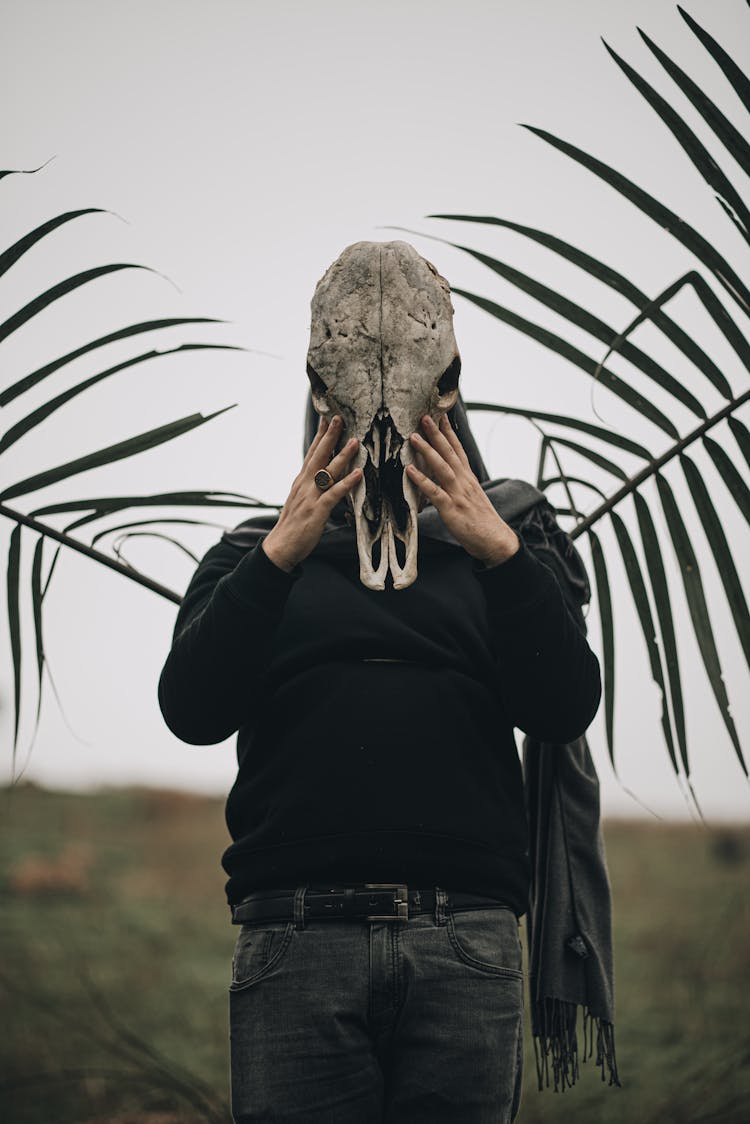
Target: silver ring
{"type": "Point", "coordinates": [323, 479]}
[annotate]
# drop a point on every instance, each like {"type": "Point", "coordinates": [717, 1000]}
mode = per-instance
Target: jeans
{"type": "Point", "coordinates": [378, 1022]}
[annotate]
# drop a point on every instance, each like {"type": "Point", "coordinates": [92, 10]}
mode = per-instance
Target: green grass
{"type": "Point", "coordinates": [115, 951]}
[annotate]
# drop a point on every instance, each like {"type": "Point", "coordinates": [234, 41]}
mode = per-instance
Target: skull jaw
{"type": "Point", "coordinates": [385, 533]}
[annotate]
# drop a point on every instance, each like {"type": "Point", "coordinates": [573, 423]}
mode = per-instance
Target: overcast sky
{"type": "Point", "coordinates": [245, 145]}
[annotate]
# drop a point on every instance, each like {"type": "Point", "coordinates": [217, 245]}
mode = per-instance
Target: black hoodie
{"type": "Point", "coordinates": [375, 728]}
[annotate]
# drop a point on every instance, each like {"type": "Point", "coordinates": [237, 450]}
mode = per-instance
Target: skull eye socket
{"type": "Point", "coordinates": [447, 386]}
{"type": "Point", "coordinates": [318, 388]}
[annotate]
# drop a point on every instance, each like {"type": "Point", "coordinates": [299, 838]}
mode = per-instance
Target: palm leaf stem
{"type": "Point", "coordinates": [90, 552]}
{"type": "Point", "coordinates": [634, 482]}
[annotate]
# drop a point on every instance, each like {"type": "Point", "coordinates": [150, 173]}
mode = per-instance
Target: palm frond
{"type": "Point", "coordinates": [31, 380]}
{"type": "Point", "coordinates": [625, 471]}
{"type": "Point", "coordinates": [696, 151]}
{"type": "Point", "coordinates": [662, 215]}
{"type": "Point", "coordinates": [86, 510]}
{"type": "Point", "coordinates": [734, 75]}
{"type": "Point", "coordinates": [731, 138]}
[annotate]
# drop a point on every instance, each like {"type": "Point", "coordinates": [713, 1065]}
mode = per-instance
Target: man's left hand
{"type": "Point", "coordinates": [458, 496]}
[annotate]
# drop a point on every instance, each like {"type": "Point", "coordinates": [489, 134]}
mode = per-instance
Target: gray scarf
{"type": "Point", "coordinates": [569, 920]}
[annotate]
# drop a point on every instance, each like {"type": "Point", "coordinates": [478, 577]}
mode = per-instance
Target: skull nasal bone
{"type": "Point", "coordinates": [384, 472]}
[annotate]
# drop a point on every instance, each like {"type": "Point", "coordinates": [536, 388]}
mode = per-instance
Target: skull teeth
{"type": "Point", "coordinates": [385, 532]}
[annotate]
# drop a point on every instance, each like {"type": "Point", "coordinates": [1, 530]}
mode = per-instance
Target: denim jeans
{"type": "Point", "coordinates": [378, 1022]}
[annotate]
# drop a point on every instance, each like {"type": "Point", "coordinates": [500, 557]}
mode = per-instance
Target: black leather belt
{"type": "Point", "coordinates": [369, 901]}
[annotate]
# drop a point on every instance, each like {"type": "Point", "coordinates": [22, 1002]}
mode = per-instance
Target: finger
{"type": "Point", "coordinates": [327, 444]}
{"type": "Point", "coordinates": [453, 439]}
{"type": "Point", "coordinates": [338, 465]}
{"type": "Point", "coordinates": [332, 495]}
{"type": "Point", "coordinates": [319, 433]}
{"type": "Point", "coordinates": [434, 461]}
{"type": "Point", "coordinates": [438, 440]}
{"type": "Point", "coordinates": [428, 487]}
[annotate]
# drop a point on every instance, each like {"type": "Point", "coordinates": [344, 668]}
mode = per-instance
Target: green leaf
{"type": "Point", "coordinates": [606, 435]}
{"type": "Point", "coordinates": [594, 457]}
{"type": "Point", "coordinates": [731, 477]}
{"type": "Point", "coordinates": [10, 256]}
{"type": "Point", "coordinates": [31, 380]}
{"type": "Point", "coordinates": [105, 504]}
{"type": "Point", "coordinates": [37, 416]}
{"type": "Point", "coordinates": [152, 535]}
{"type": "Point", "coordinates": [578, 358]}
{"type": "Point", "coordinates": [36, 598]}
{"type": "Point", "coordinates": [640, 599]}
{"type": "Point", "coordinates": [150, 523]}
{"type": "Point", "coordinates": [732, 72]}
{"type": "Point", "coordinates": [696, 599]}
{"type": "Point", "coordinates": [604, 600]}
{"type": "Point", "coordinates": [741, 436]}
{"type": "Point", "coordinates": [549, 481]}
{"type": "Point", "coordinates": [722, 127]}
{"type": "Point", "coordinates": [18, 319]}
{"type": "Point", "coordinates": [51, 569]}
{"type": "Point", "coordinates": [688, 141]}
{"type": "Point", "coordinates": [715, 310]}
{"type": "Point", "coordinates": [563, 479]}
{"type": "Point", "coordinates": [614, 280]}
{"type": "Point", "coordinates": [663, 216]}
{"type": "Point", "coordinates": [14, 629]}
{"type": "Point", "coordinates": [110, 454]}
{"type": "Point", "coordinates": [717, 540]}
{"type": "Point", "coordinates": [597, 328]}
{"type": "Point", "coordinates": [663, 604]}
{"type": "Point", "coordinates": [23, 171]}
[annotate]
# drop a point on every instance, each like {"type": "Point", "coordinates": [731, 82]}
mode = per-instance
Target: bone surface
{"type": "Point", "coordinates": [382, 355]}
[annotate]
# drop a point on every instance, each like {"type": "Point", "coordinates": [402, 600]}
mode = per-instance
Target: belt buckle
{"type": "Point", "coordinates": [401, 903]}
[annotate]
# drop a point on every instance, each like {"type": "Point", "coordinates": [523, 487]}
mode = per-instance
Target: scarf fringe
{"type": "Point", "coordinates": [556, 1044]}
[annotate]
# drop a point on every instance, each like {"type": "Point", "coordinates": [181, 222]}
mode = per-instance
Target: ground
{"type": "Point", "coordinates": [115, 947]}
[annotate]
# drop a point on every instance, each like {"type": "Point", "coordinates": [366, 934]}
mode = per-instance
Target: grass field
{"type": "Point", "coordinates": [115, 946]}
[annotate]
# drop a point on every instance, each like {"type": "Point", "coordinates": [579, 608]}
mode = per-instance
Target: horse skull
{"type": "Point", "coordinates": [382, 355]}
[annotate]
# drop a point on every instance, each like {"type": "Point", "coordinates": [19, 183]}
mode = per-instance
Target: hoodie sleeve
{"type": "Point", "coordinates": [220, 647]}
{"type": "Point", "coordinates": [549, 677]}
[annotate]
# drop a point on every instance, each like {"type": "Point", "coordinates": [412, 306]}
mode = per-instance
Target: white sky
{"type": "Point", "coordinates": [246, 144]}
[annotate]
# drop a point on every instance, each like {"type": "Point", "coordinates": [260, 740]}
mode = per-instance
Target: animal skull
{"type": "Point", "coordinates": [382, 355]}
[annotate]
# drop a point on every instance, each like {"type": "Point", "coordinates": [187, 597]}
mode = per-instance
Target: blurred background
{"type": "Point", "coordinates": [237, 147]}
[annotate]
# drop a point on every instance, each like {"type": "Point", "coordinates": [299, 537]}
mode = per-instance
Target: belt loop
{"type": "Point", "coordinates": [299, 907]}
{"type": "Point", "coordinates": [441, 901]}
